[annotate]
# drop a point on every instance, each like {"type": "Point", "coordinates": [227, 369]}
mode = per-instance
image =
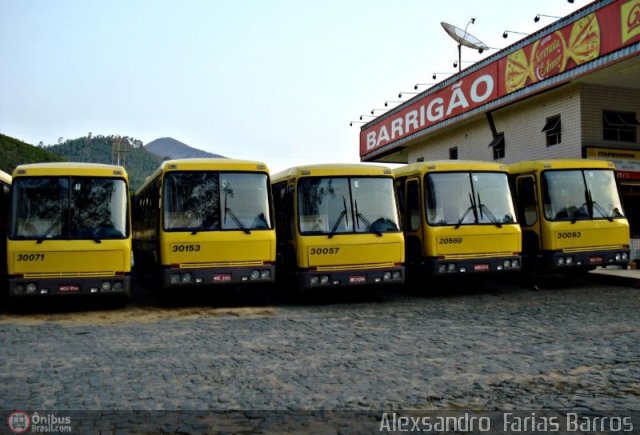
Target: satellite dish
{"type": "Point", "coordinates": [463, 38]}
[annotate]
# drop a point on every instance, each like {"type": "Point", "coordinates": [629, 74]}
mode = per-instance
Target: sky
{"type": "Point", "coordinates": [277, 81]}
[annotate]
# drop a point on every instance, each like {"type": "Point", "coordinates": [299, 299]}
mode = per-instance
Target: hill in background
{"type": "Point", "coordinates": [167, 147]}
{"type": "Point", "coordinates": [14, 152]}
{"type": "Point", "coordinates": [138, 162]}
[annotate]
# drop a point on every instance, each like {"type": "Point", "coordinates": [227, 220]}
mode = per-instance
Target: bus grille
{"type": "Point", "coordinates": [68, 274]}
{"type": "Point", "coordinates": [223, 264]}
{"type": "Point", "coordinates": [480, 255]}
{"type": "Point", "coordinates": [595, 248]}
{"type": "Point", "coordinates": [355, 266]}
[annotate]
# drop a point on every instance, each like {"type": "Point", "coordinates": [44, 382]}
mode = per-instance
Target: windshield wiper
{"type": "Point", "coordinates": [96, 238]}
{"type": "Point", "coordinates": [46, 233]}
{"type": "Point", "coordinates": [343, 215]}
{"type": "Point", "coordinates": [472, 206]}
{"type": "Point", "coordinates": [598, 207]}
{"type": "Point", "coordinates": [494, 220]}
{"type": "Point", "coordinates": [233, 216]}
{"type": "Point", "coordinates": [602, 211]}
{"type": "Point", "coordinates": [367, 222]}
{"type": "Point", "coordinates": [197, 229]}
{"type": "Point", "coordinates": [236, 220]}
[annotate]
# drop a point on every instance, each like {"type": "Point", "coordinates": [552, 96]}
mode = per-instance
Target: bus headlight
{"type": "Point", "coordinates": [19, 288]}
{"type": "Point", "coordinates": [187, 277]}
{"type": "Point", "coordinates": [560, 261]}
{"type": "Point", "coordinates": [265, 274]}
{"type": "Point", "coordinates": [105, 286]}
{"type": "Point", "coordinates": [515, 264]}
{"type": "Point", "coordinates": [569, 261]}
{"type": "Point", "coordinates": [386, 276]}
{"type": "Point", "coordinates": [618, 256]}
{"type": "Point", "coordinates": [175, 278]}
{"type": "Point", "coordinates": [506, 264]}
{"type": "Point", "coordinates": [397, 275]}
{"type": "Point", "coordinates": [451, 267]}
{"type": "Point", "coordinates": [324, 279]}
{"type": "Point", "coordinates": [117, 286]}
{"type": "Point", "coordinates": [625, 257]}
{"type": "Point", "coordinates": [314, 280]}
{"type": "Point", "coordinates": [442, 268]}
{"type": "Point", "coordinates": [255, 274]}
{"type": "Point", "coordinates": [31, 288]}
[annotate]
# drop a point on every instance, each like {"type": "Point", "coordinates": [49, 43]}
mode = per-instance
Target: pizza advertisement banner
{"type": "Point", "coordinates": [599, 33]}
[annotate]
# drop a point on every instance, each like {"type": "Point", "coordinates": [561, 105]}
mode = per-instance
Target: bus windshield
{"type": "Point", "coordinates": [580, 194]}
{"type": "Point", "coordinates": [69, 208]}
{"type": "Point", "coordinates": [341, 205]}
{"type": "Point", "coordinates": [210, 201]}
{"type": "Point", "coordinates": [468, 198]}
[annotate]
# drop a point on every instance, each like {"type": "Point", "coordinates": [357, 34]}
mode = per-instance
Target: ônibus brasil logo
{"type": "Point", "coordinates": [19, 422]}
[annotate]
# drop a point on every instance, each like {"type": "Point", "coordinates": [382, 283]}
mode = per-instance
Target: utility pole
{"type": "Point", "coordinates": [118, 151]}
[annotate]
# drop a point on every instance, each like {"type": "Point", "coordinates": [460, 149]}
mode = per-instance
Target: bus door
{"type": "Point", "coordinates": [414, 237]}
{"type": "Point", "coordinates": [528, 214]}
{"type": "Point", "coordinates": [283, 197]}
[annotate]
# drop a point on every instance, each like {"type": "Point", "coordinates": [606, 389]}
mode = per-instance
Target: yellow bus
{"type": "Point", "coordinates": [337, 225]}
{"type": "Point", "coordinates": [204, 222]}
{"type": "Point", "coordinates": [69, 230]}
{"type": "Point", "coordinates": [458, 218]}
{"type": "Point", "coordinates": [571, 214]}
{"type": "Point", "coordinates": [5, 190]}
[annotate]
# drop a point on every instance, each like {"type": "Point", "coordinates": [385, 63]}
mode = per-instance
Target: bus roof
{"type": "Point", "coordinates": [540, 165]}
{"type": "Point", "coordinates": [5, 178]}
{"type": "Point", "coordinates": [208, 163]}
{"type": "Point", "coordinates": [331, 169]}
{"type": "Point", "coordinates": [448, 166]}
{"type": "Point", "coordinates": [69, 168]}
{"type": "Point", "coordinates": [205, 164]}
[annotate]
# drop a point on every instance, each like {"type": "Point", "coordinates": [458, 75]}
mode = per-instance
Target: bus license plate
{"type": "Point", "coordinates": [68, 288]}
{"type": "Point", "coordinates": [221, 277]}
{"type": "Point", "coordinates": [595, 260]}
{"type": "Point", "coordinates": [357, 278]}
{"type": "Point", "coordinates": [481, 267]}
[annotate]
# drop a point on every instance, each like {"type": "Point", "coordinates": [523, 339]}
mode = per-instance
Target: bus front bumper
{"type": "Point", "coordinates": [575, 260]}
{"type": "Point", "coordinates": [29, 287]}
{"type": "Point", "coordinates": [173, 277]}
{"type": "Point", "coordinates": [343, 278]}
{"type": "Point", "coordinates": [437, 266]}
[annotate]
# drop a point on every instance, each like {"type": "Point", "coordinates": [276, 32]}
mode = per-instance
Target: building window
{"type": "Point", "coordinates": [420, 159]}
{"type": "Point", "coordinates": [619, 126]}
{"type": "Point", "coordinates": [453, 153]}
{"type": "Point", "coordinates": [498, 146]}
{"type": "Point", "coordinates": [552, 130]}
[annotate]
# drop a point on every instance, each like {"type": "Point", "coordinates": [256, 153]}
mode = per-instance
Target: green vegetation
{"type": "Point", "coordinates": [138, 162]}
{"type": "Point", "coordinates": [14, 152]}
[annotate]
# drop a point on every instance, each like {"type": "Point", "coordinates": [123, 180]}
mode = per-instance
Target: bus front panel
{"type": "Point", "coordinates": [354, 259]}
{"type": "Point", "coordinates": [477, 248]}
{"type": "Point", "coordinates": [585, 243]}
{"type": "Point", "coordinates": [222, 257]}
{"type": "Point", "coordinates": [69, 267]}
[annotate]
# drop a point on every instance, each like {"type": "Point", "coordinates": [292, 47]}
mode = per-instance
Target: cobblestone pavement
{"type": "Point", "coordinates": [484, 346]}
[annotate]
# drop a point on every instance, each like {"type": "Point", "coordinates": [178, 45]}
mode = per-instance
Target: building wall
{"type": "Point", "coordinates": [595, 99]}
{"type": "Point", "coordinates": [522, 124]}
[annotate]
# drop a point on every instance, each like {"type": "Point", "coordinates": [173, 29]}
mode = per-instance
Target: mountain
{"type": "Point", "coordinates": [14, 152]}
{"type": "Point", "coordinates": [167, 147]}
{"type": "Point", "coordinates": [138, 162]}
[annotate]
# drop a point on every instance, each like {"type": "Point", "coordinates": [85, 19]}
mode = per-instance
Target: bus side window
{"type": "Point", "coordinates": [413, 206]}
{"type": "Point", "coordinates": [527, 205]}
{"type": "Point", "coordinates": [399, 187]}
